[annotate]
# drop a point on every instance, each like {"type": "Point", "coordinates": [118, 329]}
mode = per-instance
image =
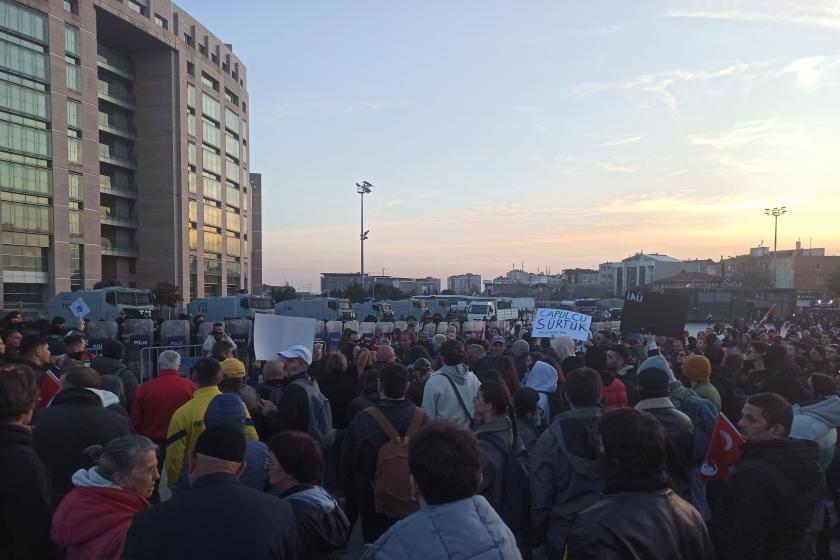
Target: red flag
{"type": "Point", "coordinates": [724, 450]}
{"type": "Point", "coordinates": [50, 387]}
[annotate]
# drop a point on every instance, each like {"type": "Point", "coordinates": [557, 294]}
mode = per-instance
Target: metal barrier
{"type": "Point", "coordinates": [149, 357]}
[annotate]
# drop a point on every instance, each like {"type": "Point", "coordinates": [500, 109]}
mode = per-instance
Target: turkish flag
{"type": "Point", "coordinates": [724, 450]}
{"type": "Point", "coordinates": [50, 387]}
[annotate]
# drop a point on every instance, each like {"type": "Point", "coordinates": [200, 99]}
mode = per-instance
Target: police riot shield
{"type": "Point", "coordinates": [175, 333]}
{"type": "Point", "coordinates": [473, 329]}
{"type": "Point", "coordinates": [137, 334]}
{"type": "Point", "coordinates": [351, 325]}
{"type": "Point", "coordinates": [99, 332]}
{"type": "Point", "coordinates": [240, 330]}
{"type": "Point", "coordinates": [428, 331]}
{"type": "Point", "coordinates": [382, 332]}
{"type": "Point", "coordinates": [366, 332]}
{"type": "Point", "coordinates": [319, 332]}
{"type": "Point", "coordinates": [204, 330]}
{"type": "Point", "coordinates": [441, 327]}
{"type": "Point", "coordinates": [334, 330]}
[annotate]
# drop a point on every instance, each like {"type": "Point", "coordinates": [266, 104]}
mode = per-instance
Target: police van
{"type": "Point", "coordinates": [238, 306]}
{"type": "Point", "coordinates": [318, 308]}
{"type": "Point", "coordinates": [379, 310]}
{"type": "Point", "coordinates": [104, 304]}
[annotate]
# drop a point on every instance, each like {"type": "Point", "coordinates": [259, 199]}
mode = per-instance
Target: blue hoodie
{"type": "Point", "coordinates": [817, 422]}
{"type": "Point", "coordinates": [543, 379]}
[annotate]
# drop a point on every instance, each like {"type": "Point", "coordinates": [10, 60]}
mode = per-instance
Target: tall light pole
{"type": "Point", "coordinates": [362, 189]}
{"type": "Point", "coordinates": [775, 212]}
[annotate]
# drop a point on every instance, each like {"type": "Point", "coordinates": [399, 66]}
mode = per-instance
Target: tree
{"type": "Point", "coordinates": [447, 292]}
{"type": "Point", "coordinates": [108, 283]}
{"type": "Point", "coordinates": [167, 294]}
{"type": "Point", "coordinates": [384, 291]}
{"type": "Point", "coordinates": [832, 283]}
{"type": "Point", "coordinates": [356, 294]}
{"type": "Point", "coordinates": [752, 273]}
{"type": "Point", "coordinates": [282, 293]}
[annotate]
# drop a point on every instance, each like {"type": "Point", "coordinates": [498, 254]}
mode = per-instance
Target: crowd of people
{"type": "Point", "coordinates": [461, 446]}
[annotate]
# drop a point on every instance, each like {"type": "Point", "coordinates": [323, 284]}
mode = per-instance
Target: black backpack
{"type": "Point", "coordinates": [515, 506]}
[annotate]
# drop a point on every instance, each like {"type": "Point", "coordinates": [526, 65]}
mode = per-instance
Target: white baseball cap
{"type": "Point", "coordinates": [297, 351]}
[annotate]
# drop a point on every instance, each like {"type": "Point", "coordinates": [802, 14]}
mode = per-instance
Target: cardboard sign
{"type": "Point", "coordinates": [653, 313]}
{"type": "Point", "coordinates": [275, 333]}
{"type": "Point", "coordinates": [551, 323]}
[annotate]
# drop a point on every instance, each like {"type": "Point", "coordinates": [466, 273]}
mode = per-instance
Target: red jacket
{"type": "Point", "coordinates": [92, 522]}
{"type": "Point", "coordinates": [157, 400]}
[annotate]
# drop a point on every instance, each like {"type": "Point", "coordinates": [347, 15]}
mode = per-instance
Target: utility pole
{"type": "Point", "coordinates": [775, 213]}
{"type": "Point", "coordinates": [362, 189]}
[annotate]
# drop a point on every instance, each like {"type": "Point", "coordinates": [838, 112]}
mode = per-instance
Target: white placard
{"type": "Point", "coordinates": [551, 323]}
{"type": "Point", "coordinates": [275, 333]}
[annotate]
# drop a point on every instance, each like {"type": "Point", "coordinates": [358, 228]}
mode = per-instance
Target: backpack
{"type": "Point", "coordinates": [320, 424]}
{"type": "Point", "coordinates": [515, 507]}
{"type": "Point", "coordinates": [391, 485]}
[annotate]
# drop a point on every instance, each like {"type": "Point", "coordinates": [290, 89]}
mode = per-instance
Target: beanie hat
{"type": "Point", "coordinates": [226, 409]}
{"type": "Point", "coordinates": [222, 442]}
{"type": "Point", "coordinates": [697, 368]}
{"type": "Point", "coordinates": [596, 358]}
{"type": "Point", "coordinates": [653, 383]}
{"type": "Point", "coordinates": [571, 363]}
{"type": "Point", "coordinates": [233, 368]}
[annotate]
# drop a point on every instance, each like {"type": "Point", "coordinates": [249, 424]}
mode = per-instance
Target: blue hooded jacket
{"type": "Point", "coordinates": [543, 379]}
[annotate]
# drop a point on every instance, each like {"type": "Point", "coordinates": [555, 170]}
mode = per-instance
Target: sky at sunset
{"type": "Point", "coordinates": [558, 133]}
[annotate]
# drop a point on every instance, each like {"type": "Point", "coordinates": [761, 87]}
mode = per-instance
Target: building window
{"type": "Point", "coordinates": [76, 267]}
{"type": "Point", "coordinates": [26, 139]}
{"type": "Point", "coordinates": [191, 124]}
{"type": "Point", "coordinates": [211, 108]}
{"type": "Point", "coordinates": [24, 96]}
{"type": "Point", "coordinates": [71, 40]}
{"type": "Point", "coordinates": [191, 181]}
{"type": "Point", "coordinates": [74, 74]}
{"type": "Point", "coordinates": [232, 145]}
{"type": "Point", "coordinates": [74, 114]}
{"type": "Point", "coordinates": [22, 258]}
{"type": "Point", "coordinates": [231, 121]}
{"type": "Point", "coordinates": [190, 68]}
{"type": "Point", "coordinates": [191, 157]}
{"type": "Point", "coordinates": [212, 188]}
{"type": "Point", "coordinates": [75, 216]}
{"type": "Point", "coordinates": [23, 57]}
{"type": "Point", "coordinates": [74, 146]}
{"type": "Point", "coordinates": [25, 178]}
{"type": "Point", "coordinates": [188, 40]}
{"type": "Point", "coordinates": [24, 21]}
{"type": "Point", "coordinates": [161, 22]}
{"type": "Point", "coordinates": [819, 265]}
{"type": "Point", "coordinates": [136, 7]}
{"type": "Point", "coordinates": [191, 96]}
{"type": "Point", "coordinates": [192, 238]}
{"type": "Point", "coordinates": [209, 81]}
{"type": "Point", "coordinates": [20, 212]}
{"type": "Point", "coordinates": [212, 162]}
{"type": "Point", "coordinates": [74, 186]}
{"type": "Point", "coordinates": [71, 6]}
{"type": "Point", "coordinates": [210, 133]}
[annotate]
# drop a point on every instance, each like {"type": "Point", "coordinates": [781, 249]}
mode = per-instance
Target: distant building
{"type": "Point", "coordinates": [419, 286]}
{"type": "Point", "coordinates": [331, 281]}
{"type": "Point", "coordinates": [606, 276]}
{"type": "Point", "coordinates": [580, 277]}
{"type": "Point", "coordinates": [256, 229]}
{"type": "Point", "coordinates": [804, 270]}
{"type": "Point", "coordinates": [464, 284]}
{"type": "Point", "coordinates": [694, 280]}
{"type": "Point", "coordinates": [643, 269]}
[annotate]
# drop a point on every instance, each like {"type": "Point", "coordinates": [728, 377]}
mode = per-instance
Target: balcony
{"type": "Point", "coordinates": [113, 62]}
{"type": "Point", "coordinates": [122, 160]}
{"type": "Point", "coordinates": [125, 130]}
{"type": "Point", "coordinates": [121, 219]}
{"type": "Point", "coordinates": [125, 190]}
{"type": "Point", "coordinates": [119, 248]}
{"type": "Point", "coordinates": [119, 96]}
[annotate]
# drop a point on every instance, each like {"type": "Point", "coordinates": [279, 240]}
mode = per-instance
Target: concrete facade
{"type": "Point", "coordinates": [125, 200]}
{"type": "Point", "coordinates": [464, 284]}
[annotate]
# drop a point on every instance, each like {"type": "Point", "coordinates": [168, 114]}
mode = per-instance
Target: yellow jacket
{"type": "Point", "coordinates": [186, 425]}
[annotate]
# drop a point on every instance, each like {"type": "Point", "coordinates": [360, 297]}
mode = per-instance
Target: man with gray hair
{"type": "Point", "coordinates": [157, 400]}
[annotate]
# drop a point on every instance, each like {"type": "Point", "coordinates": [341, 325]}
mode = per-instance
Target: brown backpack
{"type": "Point", "coordinates": [391, 485]}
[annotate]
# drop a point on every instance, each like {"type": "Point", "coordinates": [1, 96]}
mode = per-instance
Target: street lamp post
{"type": "Point", "coordinates": [775, 213]}
{"type": "Point", "coordinates": [362, 189]}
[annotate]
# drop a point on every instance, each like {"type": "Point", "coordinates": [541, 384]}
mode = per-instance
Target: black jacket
{"type": "Point", "coordinates": [785, 379]}
{"type": "Point", "coordinates": [680, 459]}
{"type": "Point", "coordinates": [292, 408]}
{"type": "Point", "coordinates": [731, 399]}
{"type": "Point", "coordinates": [217, 518]}
{"type": "Point", "coordinates": [323, 529]}
{"type": "Point", "coordinates": [369, 397]}
{"type": "Point", "coordinates": [25, 510]}
{"type": "Point", "coordinates": [639, 520]}
{"type": "Point", "coordinates": [110, 366]}
{"type": "Point", "coordinates": [74, 421]}
{"type": "Point", "coordinates": [768, 501]}
{"type": "Point", "coordinates": [340, 389]}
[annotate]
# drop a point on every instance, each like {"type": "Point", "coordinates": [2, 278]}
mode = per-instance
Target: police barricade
{"type": "Point", "coordinates": [98, 333]}
{"type": "Point", "coordinates": [473, 329]}
{"type": "Point", "coordinates": [175, 333]}
{"type": "Point", "coordinates": [204, 330]}
{"type": "Point", "coordinates": [190, 354]}
{"type": "Point", "coordinates": [366, 332]}
{"type": "Point", "coordinates": [241, 332]}
{"type": "Point", "coordinates": [382, 331]}
{"type": "Point", "coordinates": [137, 334]}
{"type": "Point", "coordinates": [334, 330]}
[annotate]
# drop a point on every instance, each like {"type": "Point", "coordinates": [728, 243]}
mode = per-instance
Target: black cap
{"type": "Point", "coordinates": [223, 442]}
